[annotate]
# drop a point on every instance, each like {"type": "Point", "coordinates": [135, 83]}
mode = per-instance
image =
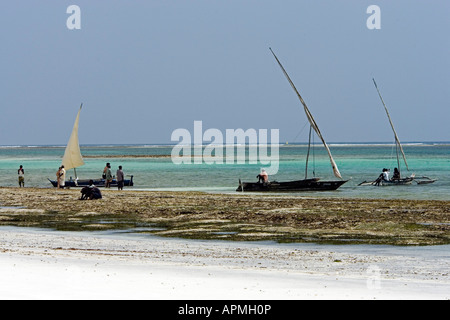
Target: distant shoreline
{"type": "Point", "coordinates": [282, 144]}
{"type": "Point", "coordinates": [124, 156]}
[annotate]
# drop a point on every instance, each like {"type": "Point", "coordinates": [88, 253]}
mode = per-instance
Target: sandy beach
{"type": "Point", "coordinates": [39, 264]}
{"type": "Point", "coordinates": [129, 246]}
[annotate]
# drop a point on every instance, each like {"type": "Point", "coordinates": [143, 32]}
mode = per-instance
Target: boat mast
{"type": "Point", "coordinates": [398, 145]}
{"type": "Point", "coordinates": [307, 155]}
{"type": "Point", "coordinates": [398, 160]}
{"type": "Point", "coordinates": [310, 119]}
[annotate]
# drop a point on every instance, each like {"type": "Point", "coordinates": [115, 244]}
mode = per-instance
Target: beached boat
{"type": "Point", "coordinates": [397, 180]}
{"type": "Point", "coordinates": [73, 159]}
{"type": "Point", "coordinates": [97, 182]}
{"type": "Point", "coordinates": [311, 184]}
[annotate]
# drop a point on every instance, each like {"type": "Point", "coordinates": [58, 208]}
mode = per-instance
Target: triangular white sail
{"type": "Point", "coordinates": [397, 141]}
{"type": "Point", "coordinates": [311, 120]}
{"type": "Point", "coordinates": [72, 156]}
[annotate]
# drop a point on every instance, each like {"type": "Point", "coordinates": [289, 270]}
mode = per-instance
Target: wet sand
{"type": "Point", "coordinates": [125, 254]}
{"type": "Point", "coordinates": [237, 216]}
{"type": "Point", "coordinates": [39, 264]}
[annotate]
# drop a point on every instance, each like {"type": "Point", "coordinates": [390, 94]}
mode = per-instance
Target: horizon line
{"type": "Point", "coordinates": [287, 143]}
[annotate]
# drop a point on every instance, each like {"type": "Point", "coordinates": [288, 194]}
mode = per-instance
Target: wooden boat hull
{"type": "Point", "coordinates": [426, 181]}
{"type": "Point", "coordinates": [97, 183]}
{"type": "Point", "coordinates": [399, 182]}
{"type": "Point", "coordinates": [290, 186]}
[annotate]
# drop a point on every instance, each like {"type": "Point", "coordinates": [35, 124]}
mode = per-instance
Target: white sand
{"type": "Point", "coordinates": [43, 264]}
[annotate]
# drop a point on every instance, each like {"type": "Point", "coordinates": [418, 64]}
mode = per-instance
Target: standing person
{"type": "Point", "coordinates": [57, 177]}
{"type": "Point", "coordinates": [105, 169]}
{"type": "Point", "coordinates": [21, 174]}
{"type": "Point", "coordinates": [120, 178]}
{"type": "Point", "coordinates": [62, 177]}
{"type": "Point", "coordinates": [108, 175]}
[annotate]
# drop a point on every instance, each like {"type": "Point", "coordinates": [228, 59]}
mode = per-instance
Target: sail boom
{"type": "Point", "coordinates": [310, 119]}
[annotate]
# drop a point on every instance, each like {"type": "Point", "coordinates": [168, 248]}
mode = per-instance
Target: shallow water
{"type": "Point", "coordinates": [356, 162]}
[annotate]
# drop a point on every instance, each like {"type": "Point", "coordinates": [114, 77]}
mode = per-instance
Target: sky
{"type": "Point", "coordinates": [143, 69]}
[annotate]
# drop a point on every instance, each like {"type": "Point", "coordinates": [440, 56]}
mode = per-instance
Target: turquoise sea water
{"type": "Point", "coordinates": [357, 162]}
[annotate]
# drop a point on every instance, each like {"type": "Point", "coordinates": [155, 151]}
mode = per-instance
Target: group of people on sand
{"type": "Point", "coordinates": [384, 176]}
{"type": "Point", "coordinates": [61, 179]}
{"type": "Point", "coordinates": [107, 175]}
{"type": "Point", "coordinates": [90, 192]}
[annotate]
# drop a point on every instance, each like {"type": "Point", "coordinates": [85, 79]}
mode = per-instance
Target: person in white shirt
{"type": "Point", "coordinates": [61, 177]}
{"type": "Point", "coordinates": [386, 174]}
{"type": "Point", "coordinates": [263, 177]}
{"type": "Point", "coordinates": [21, 174]}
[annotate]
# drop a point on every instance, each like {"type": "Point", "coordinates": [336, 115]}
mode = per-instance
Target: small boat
{"type": "Point", "coordinates": [392, 182]}
{"type": "Point", "coordinates": [398, 180]}
{"type": "Point", "coordinates": [73, 159]}
{"type": "Point", "coordinates": [311, 184]}
{"type": "Point", "coordinates": [97, 182]}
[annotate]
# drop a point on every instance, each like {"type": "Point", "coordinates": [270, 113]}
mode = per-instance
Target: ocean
{"type": "Point", "coordinates": [152, 168]}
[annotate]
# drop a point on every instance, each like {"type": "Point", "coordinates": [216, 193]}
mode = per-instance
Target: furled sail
{"type": "Point", "coordinates": [310, 119]}
{"type": "Point", "coordinates": [397, 141]}
{"type": "Point", "coordinates": [72, 156]}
